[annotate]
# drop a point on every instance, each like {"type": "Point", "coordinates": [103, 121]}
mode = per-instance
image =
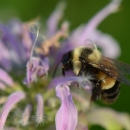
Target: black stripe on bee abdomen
{"type": "Point", "coordinates": [110, 95]}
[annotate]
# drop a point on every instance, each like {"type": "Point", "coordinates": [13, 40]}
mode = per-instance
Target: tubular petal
{"type": "Point", "coordinates": [83, 81]}
{"type": "Point", "coordinates": [40, 108]}
{"type": "Point", "coordinates": [99, 17]}
{"type": "Point", "coordinates": [52, 22]}
{"type": "Point", "coordinates": [5, 57]}
{"type": "Point", "coordinates": [26, 115]}
{"type": "Point", "coordinates": [11, 101]}
{"type": "Point", "coordinates": [10, 40]}
{"type": "Point", "coordinates": [5, 78]}
{"type": "Point", "coordinates": [66, 117]}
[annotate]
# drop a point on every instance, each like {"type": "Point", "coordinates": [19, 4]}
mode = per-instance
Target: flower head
{"type": "Point", "coordinates": [20, 55]}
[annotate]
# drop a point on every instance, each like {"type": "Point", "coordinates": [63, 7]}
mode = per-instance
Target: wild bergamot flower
{"type": "Point", "coordinates": [36, 96]}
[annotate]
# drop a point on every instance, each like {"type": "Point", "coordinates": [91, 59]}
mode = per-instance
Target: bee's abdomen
{"type": "Point", "coordinates": [110, 95]}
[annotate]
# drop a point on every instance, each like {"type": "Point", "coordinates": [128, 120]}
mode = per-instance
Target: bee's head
{"type": "Point", "coordinates": [66, 62]}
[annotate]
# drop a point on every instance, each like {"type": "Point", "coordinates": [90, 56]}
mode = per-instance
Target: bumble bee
{"type": "Point", "coordinates": [107, 73]}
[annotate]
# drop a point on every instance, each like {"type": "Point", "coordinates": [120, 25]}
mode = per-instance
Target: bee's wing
{"type": "Point", "coordinates": [115, 69]}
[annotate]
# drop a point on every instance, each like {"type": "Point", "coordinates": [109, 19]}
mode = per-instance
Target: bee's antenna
{"type": "Point", "coordinates": [55, 69]}
{"type": "Point", "coordinates": [94, 45]}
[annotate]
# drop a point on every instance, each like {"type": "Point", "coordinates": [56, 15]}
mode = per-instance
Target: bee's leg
{"type": "Point", "coordinates": [63, 71]}
{"type": "Point", "coordinates": [82, 70]}
{"type": "Point", "coordinates": [96, 91]}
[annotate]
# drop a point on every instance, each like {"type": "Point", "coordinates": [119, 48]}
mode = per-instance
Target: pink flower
{"type": "Point", "coordinates": [17, 46]}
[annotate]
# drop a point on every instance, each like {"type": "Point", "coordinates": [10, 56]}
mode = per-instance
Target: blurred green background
{"type": "Point", "coordinates": [78, 12]}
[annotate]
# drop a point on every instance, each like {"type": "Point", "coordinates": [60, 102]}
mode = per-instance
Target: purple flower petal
{"type": "Point", "coordinates": [52, 22]}
{"type": "Point", "coordinates": [5, 78]}
{"type": "Point", "coordinates": [108, 44]}
{"type": "Point", "coordinates": [66, 117]}
{"type": "Point", "coordinates": [5, 59]}
{"type": "Point", "coordinates": [98, 18]}
{"type": "Point", "coordinates": [83, 81]}
{"type": "Point", "coordinates": [36, 68]}
{"type": "Point", "coordinates": [40, 108]}
{"type": "Point", "coordinates": [12, 42]}
{"type": "Point", "coordinates": [11, 101]}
